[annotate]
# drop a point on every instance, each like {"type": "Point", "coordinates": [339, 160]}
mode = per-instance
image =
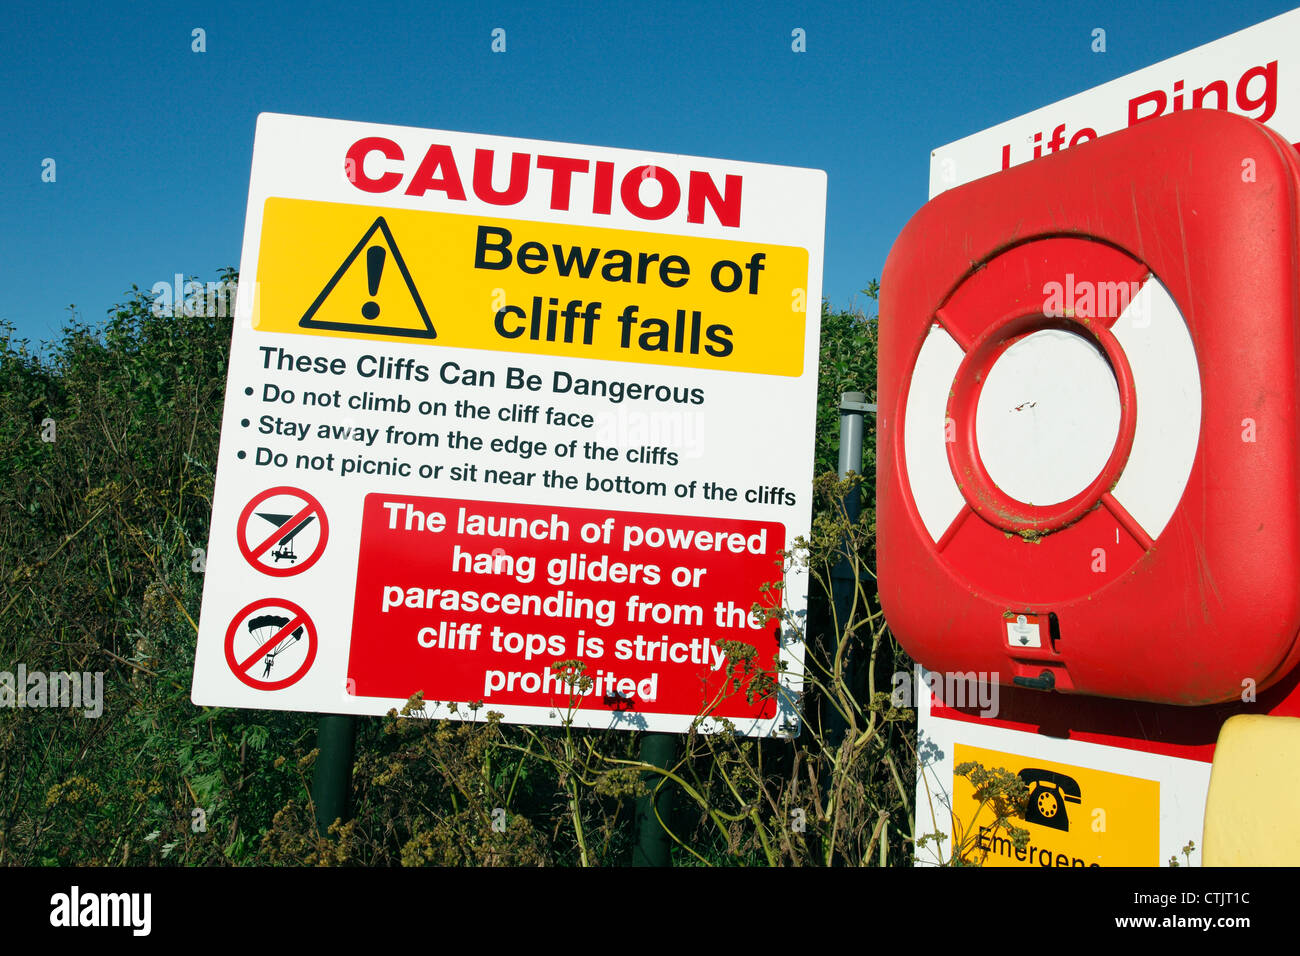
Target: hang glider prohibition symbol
{"type": "Point", "coordinates": [284, 544]}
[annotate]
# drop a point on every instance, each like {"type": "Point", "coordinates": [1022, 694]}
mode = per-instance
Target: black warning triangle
{"type": "Point", "coordinates": [340, 320]}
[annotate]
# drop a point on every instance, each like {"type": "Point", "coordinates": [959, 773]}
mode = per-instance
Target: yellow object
{"type": "Point", "coordinates": [1076, 816]}
{"type": "Point", "coordinates": [1252, 812]}
{"type": "Point", "coordinates": [431, 279]}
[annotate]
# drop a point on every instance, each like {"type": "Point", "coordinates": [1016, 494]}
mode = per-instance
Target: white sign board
{"type": "Point", "coordinates": [516, 424]}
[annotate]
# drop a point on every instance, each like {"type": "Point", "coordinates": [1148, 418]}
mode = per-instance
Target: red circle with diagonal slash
{"type": "Point", "coordinates": [241, 668]}
{"type": "Point", "coordinates": [253, 552]}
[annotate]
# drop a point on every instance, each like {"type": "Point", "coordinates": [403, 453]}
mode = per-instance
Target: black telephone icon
{"type": "Point", "coordinates": [1049, 792]}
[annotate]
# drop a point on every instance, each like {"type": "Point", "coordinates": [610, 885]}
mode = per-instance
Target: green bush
{"type": "Point", "coordinates": [100, 565]}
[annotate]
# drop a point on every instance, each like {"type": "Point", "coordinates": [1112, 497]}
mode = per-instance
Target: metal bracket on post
{"type": "Point", "coordinates": [856, 406]}
{"type": "Point", "coordinates": [853, 406]}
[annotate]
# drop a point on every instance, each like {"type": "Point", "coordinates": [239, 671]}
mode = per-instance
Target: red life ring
{"type": "Point", "coordinates": [1072, 354]}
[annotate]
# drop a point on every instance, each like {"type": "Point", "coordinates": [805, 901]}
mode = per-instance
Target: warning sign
{"type": "Point", "coordinates": [270, 644]}
{"type": "Point", "coordinates": [527, 425]}
{"type": "Point", "coordinates": [402, 313]}
{"type": "Point", "coordinates": [283, 531]}
{"type": "Point", "coordinates": [474, 600]}
{"type": "Point", "coordinates": [1075, 816]}
{"type": "Point", "coordinates": [507, 285]}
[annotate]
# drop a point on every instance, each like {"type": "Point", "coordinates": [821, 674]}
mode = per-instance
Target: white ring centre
{"type": "Point", "coordinates": [1047, 417]}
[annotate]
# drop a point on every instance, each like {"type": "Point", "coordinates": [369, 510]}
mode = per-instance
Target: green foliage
{"type": "Point", "coordinates": [99, 572]}
{"type": "Point", "coordinates": [96, 574]}
{"type": "Point", "coordinates": [1188, 849]}
{"type": "Point", "coordinates": [1004, 795]}
{"type": "Point", "coordinates": [847, 364]}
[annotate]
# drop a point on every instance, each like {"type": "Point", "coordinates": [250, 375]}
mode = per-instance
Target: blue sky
{"type": "Point", "coordinates": [152, 141]}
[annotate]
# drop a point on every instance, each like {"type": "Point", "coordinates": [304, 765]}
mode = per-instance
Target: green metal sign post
{"type": "Point", "coordinates": [653, 844]}
{"type": "Point", "coordinates": [331, 782]}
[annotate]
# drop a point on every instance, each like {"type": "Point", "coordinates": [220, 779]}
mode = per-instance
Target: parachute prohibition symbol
{"type": "Point", "coordinates": [262, 632]}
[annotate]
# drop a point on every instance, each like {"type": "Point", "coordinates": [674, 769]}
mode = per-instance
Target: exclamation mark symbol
{"type": "Point", "coordinates": [374, 269]}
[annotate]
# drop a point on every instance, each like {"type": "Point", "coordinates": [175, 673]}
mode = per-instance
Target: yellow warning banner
{"type": "Point", "coordinates": [334, 269]}
{"type": "Point", "coordinates": [1075, 816]}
